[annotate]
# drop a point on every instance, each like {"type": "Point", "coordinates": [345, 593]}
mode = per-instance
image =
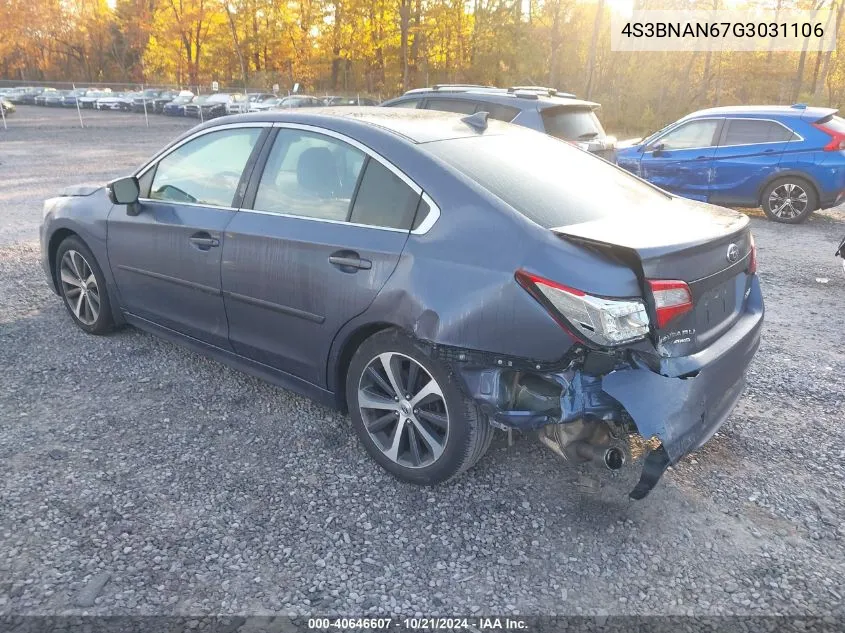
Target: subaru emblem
{"type": "Point", "coordinates": [733, 253]}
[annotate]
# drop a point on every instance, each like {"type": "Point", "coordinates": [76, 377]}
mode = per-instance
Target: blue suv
{"type": "Point", "coordinates": [790, 160]}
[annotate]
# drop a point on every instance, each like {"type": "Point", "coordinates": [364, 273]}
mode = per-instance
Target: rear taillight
{"type": "Point", "coordinates": [837, 139]}
{"type": "Point", "coordinates": [752, 261]}
{"type": "Point", "coordinates": [671, 299]}
{"type": "Point", "coordinates": [606, 322]}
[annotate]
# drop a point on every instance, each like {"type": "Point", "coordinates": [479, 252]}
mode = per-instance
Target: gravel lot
{"type": "Point", "coordinates": [200, 490]}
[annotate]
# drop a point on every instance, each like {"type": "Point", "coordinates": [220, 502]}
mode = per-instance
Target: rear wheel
{"type": "Point", "coordinates": [789, 200]}
{"type": "Point", "coordinates": [410, 412]}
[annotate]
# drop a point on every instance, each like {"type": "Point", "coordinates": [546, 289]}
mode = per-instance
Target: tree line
{"type": "Point", "coordinates": [383, 47]}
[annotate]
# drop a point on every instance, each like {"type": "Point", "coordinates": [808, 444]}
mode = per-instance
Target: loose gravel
{"type": "Point", "coordinates": [140, 478]}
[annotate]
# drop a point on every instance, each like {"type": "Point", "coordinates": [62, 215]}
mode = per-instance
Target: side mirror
{"type": "Point", "coordinates": [125, 191]}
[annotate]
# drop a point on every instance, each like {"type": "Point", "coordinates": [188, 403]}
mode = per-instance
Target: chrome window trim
{"type": "Point", "coordinates": [139, 173]}
{"type": "Point", "coordinates": [788, 129]}
{"type": "Point", "coordinates": [187, 204]}
{"type": "Point", "coordinates": [325, 220]}
{"type": "Point", "coordinates": [430, 219]}
{"type": "Point", "coordinates": [727, 119]}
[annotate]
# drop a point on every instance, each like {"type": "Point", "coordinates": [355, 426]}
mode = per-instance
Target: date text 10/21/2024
{"type": "Point", "coordinates": [418, 624]}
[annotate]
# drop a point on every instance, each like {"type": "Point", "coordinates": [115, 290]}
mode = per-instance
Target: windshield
{"type": "Point", "coordinates": [548, 181]}
{"type": "Point", "coordinates": [572, 124]}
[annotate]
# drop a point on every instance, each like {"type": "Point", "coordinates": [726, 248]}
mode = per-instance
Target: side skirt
{"type": "Point", "coordinates": [236, 361]}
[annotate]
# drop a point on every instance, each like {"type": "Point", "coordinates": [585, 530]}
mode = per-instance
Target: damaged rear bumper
{"type": "Point", "coordinates": [681, 401]}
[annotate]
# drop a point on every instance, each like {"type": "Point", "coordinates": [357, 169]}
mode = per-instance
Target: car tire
{"type": "Point", "coordinates": [442, 434]}
{"type": "Point", "coordinates": [789, 200]}
{"type": "Point", "coordinates": [82, 286]}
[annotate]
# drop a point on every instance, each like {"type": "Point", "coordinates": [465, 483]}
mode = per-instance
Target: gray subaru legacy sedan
{"type": "Point", "coordinates": [437, 276]}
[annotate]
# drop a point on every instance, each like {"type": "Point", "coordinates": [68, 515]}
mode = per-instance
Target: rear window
{"type": "Point", "coordinates": [572, 124]}
{"type": "Point", "coordinates": [548, 181]}
{"type": "Point", "coordinates": [753, 131]}
{"type": "Point", "coordinates": [451, 105]}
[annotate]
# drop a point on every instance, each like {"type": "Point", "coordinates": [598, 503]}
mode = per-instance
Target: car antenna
{"type": "Point", "coordinates": [477, 120]}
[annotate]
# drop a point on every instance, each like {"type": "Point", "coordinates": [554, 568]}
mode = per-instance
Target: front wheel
{"type": "Point", "coordinates": [83, 287]}
{"type": "Point", "coordinates": [410, 412]}
{"type": "Point", "coordinates": [789, 200]}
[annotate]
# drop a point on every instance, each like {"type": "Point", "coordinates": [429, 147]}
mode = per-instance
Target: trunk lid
{"type": "Point", "coordinates": [705, 246]}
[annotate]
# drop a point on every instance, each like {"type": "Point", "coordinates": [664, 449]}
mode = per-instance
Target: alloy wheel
{"type": "Point", "coordinates": [79, 286]}
{"type": "Point", "coordinates": [788, 201]}
{"type": "Point", "coordinates": [403, 410]}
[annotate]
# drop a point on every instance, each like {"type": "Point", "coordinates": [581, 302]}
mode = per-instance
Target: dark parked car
{"type": "Point", "coordinates": [547, 110]}
{"type": "Point", "coordinates": [789, 160]}
{"type": "Point", "coordinates": [176, 107]}
{"type": "Point", "coordinates": [40, 98]}
{"type": "Point", "coordinates": [212, 106]}
{"type": "Point", "coordinates": [55, 98]}
{"type": "Point", "coordinates": [168, 97]}
{"type": "Point", "coordinates": [433, 274]}
{"type": "Point", "coordinates": [32, 95]}
{"type": "Point", "coordinates": [71, 97]}
{"type": "Point", "coordinates": [146, 99]}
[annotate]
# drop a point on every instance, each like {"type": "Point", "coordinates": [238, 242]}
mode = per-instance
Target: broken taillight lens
{"type": "Point", "coordinates": [606, 322]}
{"type": "Point", "coordinates": [671, 299]}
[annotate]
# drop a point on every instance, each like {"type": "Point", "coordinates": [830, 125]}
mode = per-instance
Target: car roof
{"type": "Point", "coordinates": [522, 99]}
{"type": "Point", "coordinates": [417, 126]}
{"type": "Point", "coordinates": [797, 111]}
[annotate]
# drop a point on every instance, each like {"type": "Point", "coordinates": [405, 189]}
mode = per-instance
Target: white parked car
{"type": "Point", "coordinates": [237, 104]}
{"type": "Point", "coordinates": [116, 102]}
{"type": "Point", "coordinates": [266, 104]}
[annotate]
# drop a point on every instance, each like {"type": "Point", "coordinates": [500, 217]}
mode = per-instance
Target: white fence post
{"type": "Point", "coordinates": [78, 111]}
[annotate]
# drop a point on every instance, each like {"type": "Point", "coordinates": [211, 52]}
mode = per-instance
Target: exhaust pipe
{"type": "Point", "coordinates": [612, 457]}
{"type": "Point", "coordinates": [601, 448]}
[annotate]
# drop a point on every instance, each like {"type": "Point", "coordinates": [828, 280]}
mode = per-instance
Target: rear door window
{"type": "Point", "coordinates": [754, 131]}
{"type": "Point", "coordinates": [500, 112]}
{"type": "Point", "coordinates": [461, 106]}
{"type": "Point", "coordinates": [572, 124]}
{"type": "Point", "coordinates": [309, 175]}
{"type": "Point", "coordinates": [407, 103]}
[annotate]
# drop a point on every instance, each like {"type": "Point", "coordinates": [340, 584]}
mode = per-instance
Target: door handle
{"type": "Point", "coordinates": [204, 241]}
{"type": "Point", "coordinates": [349, 261]}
